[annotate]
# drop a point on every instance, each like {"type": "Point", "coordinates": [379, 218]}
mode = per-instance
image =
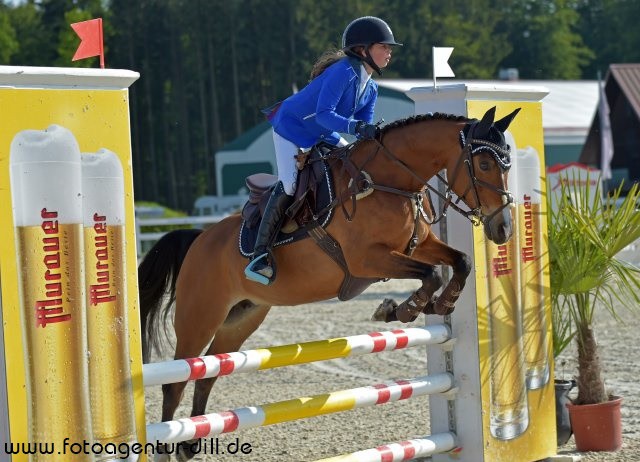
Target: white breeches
{"type": "Point", "coordinates": [286, 153]}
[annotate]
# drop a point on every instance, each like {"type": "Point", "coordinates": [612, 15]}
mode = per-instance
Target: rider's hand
{"type": "Point", "coordinates": [367, 131]}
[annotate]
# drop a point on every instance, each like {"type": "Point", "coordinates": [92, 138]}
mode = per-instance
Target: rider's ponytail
{"type": "Point", "coordinates": [325, 60]}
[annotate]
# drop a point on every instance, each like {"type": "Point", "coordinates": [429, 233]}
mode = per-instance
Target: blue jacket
{"type": "Point", "coordinates": [326, 107]}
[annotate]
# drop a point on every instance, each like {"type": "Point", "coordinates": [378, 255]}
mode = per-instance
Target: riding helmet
{"type": "Point", "coordinates": [367, 30]}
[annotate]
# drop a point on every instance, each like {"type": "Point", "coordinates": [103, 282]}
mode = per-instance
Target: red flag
{"type": "Point", "coordinates": [90, 33]}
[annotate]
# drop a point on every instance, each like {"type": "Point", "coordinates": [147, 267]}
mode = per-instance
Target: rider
{"type": "Point", "coordinates": [340, 98]}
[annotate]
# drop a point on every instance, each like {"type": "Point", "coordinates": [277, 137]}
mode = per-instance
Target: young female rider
{"type": "Point", "coordinates": [340, 98]}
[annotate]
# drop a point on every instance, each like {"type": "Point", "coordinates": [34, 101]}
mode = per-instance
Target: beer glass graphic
{"type": "Point", "coordinates": [509, 413]}
{"type": "Point", "coordinates": [111, 393]}
{"type": "Point", "coordinates": [528, 199]}
{"type": "Point", "coordinates": [47, 210]}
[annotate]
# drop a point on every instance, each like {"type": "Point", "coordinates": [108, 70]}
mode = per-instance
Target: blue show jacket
{"type": "Point", "coordinates": [326, 107]}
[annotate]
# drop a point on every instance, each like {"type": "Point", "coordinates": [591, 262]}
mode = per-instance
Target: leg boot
{"type": "Point", "coordinates": [260, 268]}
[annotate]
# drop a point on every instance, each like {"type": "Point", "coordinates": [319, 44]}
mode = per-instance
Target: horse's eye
{"type": "Point", "coordinates": [484, 165]}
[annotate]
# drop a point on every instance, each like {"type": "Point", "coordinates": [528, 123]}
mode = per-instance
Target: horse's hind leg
{"type": "Point", "coordinates": [243, 320]}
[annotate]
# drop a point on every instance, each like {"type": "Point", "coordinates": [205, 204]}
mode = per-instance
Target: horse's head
{"type": "Point", "coordinates": [480, 176]}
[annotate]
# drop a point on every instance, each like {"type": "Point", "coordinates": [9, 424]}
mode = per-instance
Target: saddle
{"type": "Point", "coordinates": [313, 173]}
{"type": "Point", "coordinates": [309, 214]}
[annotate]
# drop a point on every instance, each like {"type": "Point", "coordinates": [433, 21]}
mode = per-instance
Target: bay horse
{"type": "Point", "coordinates": [217, 308]}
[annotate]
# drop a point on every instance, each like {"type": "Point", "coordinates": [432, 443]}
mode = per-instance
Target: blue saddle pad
{"type": "Point", "coordinates": [324, 196]}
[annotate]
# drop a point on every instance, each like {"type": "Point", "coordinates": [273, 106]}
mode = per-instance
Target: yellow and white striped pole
{"type": "Point", "coordinates": [287, 355]}
{"type": "Point", "coordinates": [401, 451]}
{"type": "Point", "coordinates": [209, 425]}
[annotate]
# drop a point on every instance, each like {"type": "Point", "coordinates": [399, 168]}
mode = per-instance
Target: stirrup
{"type": "Point", "coordinates": [253, 275]}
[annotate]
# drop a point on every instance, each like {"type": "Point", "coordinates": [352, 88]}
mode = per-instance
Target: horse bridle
{"type": "Point", "coordinates": [471, 147]}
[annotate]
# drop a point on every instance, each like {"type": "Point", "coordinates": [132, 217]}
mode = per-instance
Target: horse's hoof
{"type": "Point", "coordinates": [386, 311]}
{"type": "Point", "coordinates": [188, 449]}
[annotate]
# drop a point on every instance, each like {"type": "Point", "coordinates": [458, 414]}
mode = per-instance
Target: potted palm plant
{"type": "Point", "coordinates": [587, 278]}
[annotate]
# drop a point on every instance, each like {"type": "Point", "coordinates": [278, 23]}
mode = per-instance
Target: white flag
{"type": "Point", "coordinates": [606, 136]}
{"type": "Point", "coordinates": [440, 65]}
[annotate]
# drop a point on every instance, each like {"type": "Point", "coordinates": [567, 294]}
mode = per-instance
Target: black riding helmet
{"type": "Point", "coordinates": [366, 31]}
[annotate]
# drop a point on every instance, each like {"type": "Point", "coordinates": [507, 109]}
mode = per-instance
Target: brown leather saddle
{"type": "Point", "coordinates": [309, 214]}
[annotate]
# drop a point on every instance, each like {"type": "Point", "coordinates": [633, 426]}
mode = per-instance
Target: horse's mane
{"type": "Point", "coordinates": [423, 117]}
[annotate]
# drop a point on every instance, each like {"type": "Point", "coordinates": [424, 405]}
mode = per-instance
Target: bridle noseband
{"type": "Point", "coordinates": [471, 147]}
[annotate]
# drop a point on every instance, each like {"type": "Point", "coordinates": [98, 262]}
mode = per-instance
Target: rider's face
{"type": "Point", "coordinates": [381, 54]}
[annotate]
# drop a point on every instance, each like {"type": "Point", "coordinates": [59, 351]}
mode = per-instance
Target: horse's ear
{"type": "Point", "coordinates": [483, 127]}
{"type": "Point", "coordinates": [503, 123]}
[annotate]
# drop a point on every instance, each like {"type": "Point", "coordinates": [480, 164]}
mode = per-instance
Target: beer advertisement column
{"type": "Point", "coordinates": [73, 373]}
{"type": "Point", "coordinates": [513, 304]}
{"type": "Point", "coordinates": [503, 409]}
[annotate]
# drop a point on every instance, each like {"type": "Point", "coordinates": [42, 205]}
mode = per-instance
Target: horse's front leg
{"type": "Point", "coordinates": [461, 265]}
{"type": "Point", "coordinates": [420, 265]}
{"type": "Point", "coordinates": [420, 301]}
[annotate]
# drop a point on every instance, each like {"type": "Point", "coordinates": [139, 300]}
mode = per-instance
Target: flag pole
{"type": "Point", "coordinates": [433, 59]}
{"type": "Point", "coordinates": [101, 45]}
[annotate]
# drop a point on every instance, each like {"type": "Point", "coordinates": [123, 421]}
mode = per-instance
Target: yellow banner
{"type": "Point", "coordinates": [514, 310]}
{"type": "Point", "coordinates": [68, 265]}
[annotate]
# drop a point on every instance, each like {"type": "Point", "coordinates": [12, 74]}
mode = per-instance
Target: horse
{"type": "Point", "coordinates": [217, 308]}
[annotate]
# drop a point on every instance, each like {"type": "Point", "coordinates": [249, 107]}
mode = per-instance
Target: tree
{"type": "Point", "coordinates": [208, 66]}
{"type": "Point", "coordinates": [8, 42]}
{"type": "Point", "coordinates": [545, 39]}
{"type": "Point", "coordinates": [609, 28]}
{"type": "Point", "coordinates": [475, 30]}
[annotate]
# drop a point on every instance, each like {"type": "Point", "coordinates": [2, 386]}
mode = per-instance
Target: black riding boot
{"type": "Point", "coordinates": [259, 268]}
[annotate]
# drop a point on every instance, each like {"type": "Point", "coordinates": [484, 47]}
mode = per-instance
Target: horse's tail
{"type": "Point", "coordinates": [157, 275]}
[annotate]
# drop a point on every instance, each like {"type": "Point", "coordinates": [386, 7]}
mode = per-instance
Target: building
{"type": "Point", "coordinates": [622, 90]}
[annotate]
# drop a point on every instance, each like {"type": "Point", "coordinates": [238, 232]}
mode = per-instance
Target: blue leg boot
{"type": "Point", "coordinates": [260, 268]}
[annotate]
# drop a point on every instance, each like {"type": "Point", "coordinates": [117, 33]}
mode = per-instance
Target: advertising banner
{"type": "Point", "coordinates": [513, 305]}
{"type": "Point", "coordinates": [71, 348]}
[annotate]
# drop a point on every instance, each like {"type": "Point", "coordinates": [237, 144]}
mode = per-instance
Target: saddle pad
{"type": "Point", "coordinates": [324, 196]}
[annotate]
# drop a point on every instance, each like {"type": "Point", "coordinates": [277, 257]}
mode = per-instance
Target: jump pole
{"type": "Point", "coordinates": [287, 355]}
{"type": "Point", "coordinates": [401, 451]}
{"type": "Point", "coordinates": [209, 425]}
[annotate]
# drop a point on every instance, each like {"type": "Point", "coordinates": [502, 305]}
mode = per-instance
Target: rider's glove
{"type": "Point", "coordinates": [367, 131]}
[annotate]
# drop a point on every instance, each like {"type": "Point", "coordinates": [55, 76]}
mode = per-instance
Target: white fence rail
{"type": "Point", "coordinates": [146, 237]}
{"type": "Point", "coordinates": [207, 210]}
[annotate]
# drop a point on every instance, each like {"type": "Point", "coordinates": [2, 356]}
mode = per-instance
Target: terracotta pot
{"type": "Point", "coordinates": [563, 422]}
{"type": "Point", "coordinates": [597, 427]}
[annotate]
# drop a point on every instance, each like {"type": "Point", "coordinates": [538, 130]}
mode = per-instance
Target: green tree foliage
{"type": "Point", "coordinates": [545, 39]}
{"type": "Point", "coordinates": [610, 29]}
{"type": "Point", "coordinates": [8, 42]}
{"type": "Point", "coordinates": [208, 66]}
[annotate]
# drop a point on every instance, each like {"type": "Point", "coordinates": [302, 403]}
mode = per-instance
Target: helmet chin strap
{"type": "Point", "coordinates": [367, 59]}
